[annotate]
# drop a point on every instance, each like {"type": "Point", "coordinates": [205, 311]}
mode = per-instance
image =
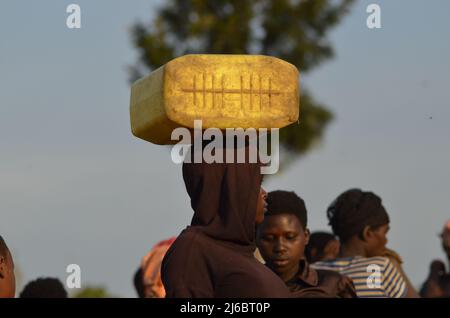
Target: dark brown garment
{"type": "Point", "coordinates": [437, 284]}
{"type": "Point", "coordinates": [312, 283]}
{"type": "Point", "coordinates": [214, 256]}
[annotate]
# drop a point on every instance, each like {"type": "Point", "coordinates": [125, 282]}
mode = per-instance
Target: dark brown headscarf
{"type": "Point", "coordinates": [224, 198]}
{"type": "Point", "coordinates": [214, 256]}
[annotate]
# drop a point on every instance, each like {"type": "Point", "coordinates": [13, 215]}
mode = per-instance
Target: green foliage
{"type": "Point", "coordinates": [93, 292]}
{"type": "Point", "coordinates": [293, 30]}
{"type": "Point", "coordinates": [313, 120]}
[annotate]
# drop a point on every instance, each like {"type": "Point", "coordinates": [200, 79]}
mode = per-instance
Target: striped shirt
{"type": "Point", "coordinates": [373, 276]}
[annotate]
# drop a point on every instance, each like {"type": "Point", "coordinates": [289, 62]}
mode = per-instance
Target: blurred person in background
{"type": "Point", "coordinates": [7, 277]}
{"type": "Point", "coordinates": [44, 288]}
{"type": "Point", "coordinates": [322, 246]}
{"type": "Point", "coordinates": [361, 223]}
{"type": "Point", "coordinates": [150, 271]}
{"type": "Point", "coordinates": [438, 281]}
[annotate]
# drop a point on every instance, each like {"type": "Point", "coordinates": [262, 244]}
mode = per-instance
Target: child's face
{"type": "Point", "coordinates": [281, 240]}
{"type": "Point", "coordinates": [7, 278]}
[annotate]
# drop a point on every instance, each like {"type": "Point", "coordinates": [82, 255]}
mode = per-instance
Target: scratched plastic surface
{"type": "Point", "coordinates": [224, 91]}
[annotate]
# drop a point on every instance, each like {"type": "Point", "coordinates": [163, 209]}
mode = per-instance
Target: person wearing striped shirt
{"type": "Point", "coordinates": [372, 277]}
{"type": "Point", "coordinates": [361, 223]}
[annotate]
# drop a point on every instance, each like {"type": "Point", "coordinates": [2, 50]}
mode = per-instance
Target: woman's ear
{"type": "Point", "coordinates": [366, 233]}
{"type": "Point", "coordinates": [307, 236]}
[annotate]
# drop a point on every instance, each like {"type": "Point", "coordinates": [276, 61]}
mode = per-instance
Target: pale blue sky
{"type": "Point", "coordinates": [77, 187]}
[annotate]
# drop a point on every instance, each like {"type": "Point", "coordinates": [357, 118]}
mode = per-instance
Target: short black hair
{"type": "Point", "coordinates": [353, 210]}
{"type": "Point", "coordinates": [44, 288]}
{"type": "Point", "coordinates": [287, 202]}
{"type": "Point", "coordinates": [318, 241]}
{"type": "Point", "coordinates": [3, 247]}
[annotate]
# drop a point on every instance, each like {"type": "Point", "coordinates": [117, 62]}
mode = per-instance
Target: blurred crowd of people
{"type": "Point", "coordinates": [322, 264]}
{"type": "Point", "coordinates": [244, 242]}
